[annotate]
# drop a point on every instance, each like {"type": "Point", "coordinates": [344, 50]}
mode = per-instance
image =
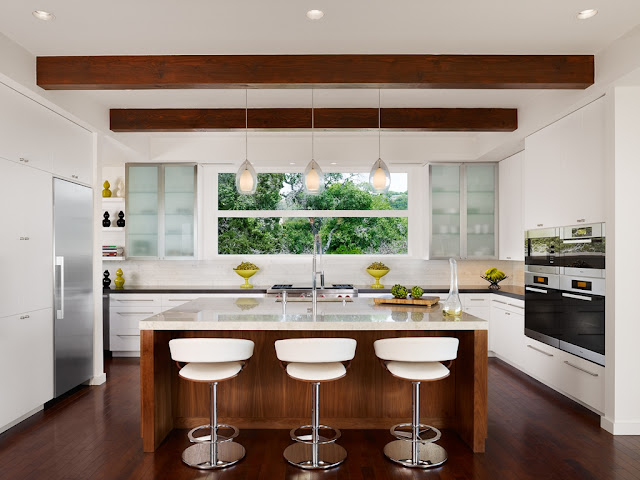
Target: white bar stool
{"type": "Point", "coordinates": [211, 360]}
{"type": "Point", "coordinates": [416, 359]}
{"type": "Point", "coordinates": [315, 360]}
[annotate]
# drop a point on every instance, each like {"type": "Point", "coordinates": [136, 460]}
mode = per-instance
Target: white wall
{"type": "Point", "coordinates": [622, 402]}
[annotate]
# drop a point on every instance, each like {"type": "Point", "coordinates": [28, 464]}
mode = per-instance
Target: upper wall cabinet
{"type": "Point", "coordinates": [33, 135]}
{"type": "Point", "coordinates": [463, 211]}
{"type": "Point", "coordinates": [564, 170]}
{"type": "Point", "coordinates": [161, 204]}
{"type": "Point", "coordinates": [511, 231]}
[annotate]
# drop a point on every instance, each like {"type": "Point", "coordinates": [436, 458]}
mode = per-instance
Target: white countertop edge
{"type": "Point", "coordinates": [310, 326]}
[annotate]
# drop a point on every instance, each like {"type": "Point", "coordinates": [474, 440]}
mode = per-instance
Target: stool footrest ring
{"type": "Point", "coordinates": [207, 438]}
{"type": "Point", "coordinates": [307, 438]}
{"type": "Point", "coordinates": [406, 434]}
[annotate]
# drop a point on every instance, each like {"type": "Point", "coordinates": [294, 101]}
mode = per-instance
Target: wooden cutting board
{"type": "Point", "coordinates": [424, 301]}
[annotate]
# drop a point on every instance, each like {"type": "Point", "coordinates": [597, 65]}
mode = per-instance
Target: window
{"type": "Point", "coordinates": [350, 218]}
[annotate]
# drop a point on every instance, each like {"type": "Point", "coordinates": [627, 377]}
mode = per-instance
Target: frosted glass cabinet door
{"type": "Point", "coordinates": [445, 211]}
{"type": "Point", "coordinates": [481, 210]}
{"type": "Point", "coordinates": [142, 215]}
{"type": "Point", "coordinates": [179, 210]}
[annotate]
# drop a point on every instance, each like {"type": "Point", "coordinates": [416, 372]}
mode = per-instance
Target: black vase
{"type": "Point", "coordinates": [106, 222]}
{"type": "Point", "coordinates": [120, 221]}
{"type": "Point", "coordinates": [106, 281]}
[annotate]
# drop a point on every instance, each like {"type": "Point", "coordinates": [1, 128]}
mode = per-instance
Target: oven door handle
{"type": "Point", "coordinates": [577, 297]}
{"type": "Point", "coordinates": [536, 290]}
{"type": "Point", "coordinates": [582, 240]}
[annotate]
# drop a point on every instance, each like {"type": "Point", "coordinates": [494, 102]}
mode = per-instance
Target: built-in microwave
{"type": "Point", "coordinates": [541, 246]}
{"type": "Point", "coordinates": [582, 247]}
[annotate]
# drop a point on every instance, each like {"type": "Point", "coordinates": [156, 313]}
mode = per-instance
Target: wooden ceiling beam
{"type": "Point", "coordinates": [315, 71]}
{"type": "Point", "coordinates": [409, 119]}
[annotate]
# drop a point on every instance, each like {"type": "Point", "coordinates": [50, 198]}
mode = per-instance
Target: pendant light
{"type": "Point", "coordinates": [379, 178]}
{"type": "Point", "coordinates": [246, 178]}
{"type": "Point", "coordinates": [313, 176]}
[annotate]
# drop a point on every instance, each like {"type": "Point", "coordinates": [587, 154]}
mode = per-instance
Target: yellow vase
{"type": "Point", "coordinates": [106, 193]}
{"type": "Point", "coordinates": [377, 274]}
{"type": "Point", "coordinates": [246, 274]}
{"type": "Point", "coordinates": [119, 280]}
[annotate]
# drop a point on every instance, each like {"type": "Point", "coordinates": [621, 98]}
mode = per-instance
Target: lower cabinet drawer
{"type": "Point", "coordinates": [582, 380]}
{"type": "Point", "coordinates": [124, 342]}
{"type": "Point", "coordinates": [541, 361]}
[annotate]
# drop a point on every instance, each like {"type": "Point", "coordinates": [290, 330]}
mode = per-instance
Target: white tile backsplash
{"type": "Point", "coordinates": [297, 270]}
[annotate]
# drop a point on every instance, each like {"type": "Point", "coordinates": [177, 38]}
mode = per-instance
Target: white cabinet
{"type": "Point", "coordinates": [511, 227]}
{"type": "Point", "coordinates": [33, 135]}
{"type": "Point", "coordinates": [26, 237]}
{"type": "Point", "coordinates": [507, 325]}
{"type": "Point", "coordinates": [125, 312]}
{"type": "Point", "coordinates": [71, 150]}
{"type": "Point", "coordinates": [564, 170]}
{"type": "Point", "coordinates": [26, 363]}
{"type": "Point", "coordinates": [24, 135]}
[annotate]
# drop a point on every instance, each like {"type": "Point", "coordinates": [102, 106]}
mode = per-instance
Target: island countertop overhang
{"type": "Point", "coordinates": [268, 314]}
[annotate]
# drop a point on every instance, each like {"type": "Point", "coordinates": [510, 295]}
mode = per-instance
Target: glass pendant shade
{"type": "Point", "coordinates": [380, 178]}
{"type": "Point", "coordinates": [313, 179]}
{"type": "Point", "coordinates": [246, 179]}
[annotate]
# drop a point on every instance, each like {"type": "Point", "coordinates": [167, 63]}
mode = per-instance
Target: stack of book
{"type": "Point", "coordinates": [112, 251]}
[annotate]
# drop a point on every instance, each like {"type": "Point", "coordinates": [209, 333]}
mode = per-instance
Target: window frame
{"type": "Point", "coordinates": [416, 188]}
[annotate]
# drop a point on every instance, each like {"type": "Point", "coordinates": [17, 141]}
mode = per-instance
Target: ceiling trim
{"type": "Point", "coordinates": [315, 71]}
{"type": "Point", "coordinates": [407, 119]}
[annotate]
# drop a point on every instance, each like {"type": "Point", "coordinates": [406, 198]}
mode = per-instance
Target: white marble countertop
{"type": "Point", "coordinates": [267, 314]}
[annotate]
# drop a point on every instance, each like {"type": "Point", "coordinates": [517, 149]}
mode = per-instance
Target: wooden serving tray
{"type": "Point", "coordinates": [424, 301]}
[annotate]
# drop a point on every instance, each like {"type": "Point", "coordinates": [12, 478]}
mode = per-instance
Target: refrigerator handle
{"type": "Point", "coordinates": [60, 312]}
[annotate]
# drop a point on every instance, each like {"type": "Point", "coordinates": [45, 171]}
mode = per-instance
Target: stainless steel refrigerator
{"type": "Point", "coordinates": [73, 284]}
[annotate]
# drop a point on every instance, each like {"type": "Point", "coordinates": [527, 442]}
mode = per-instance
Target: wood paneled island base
{"type": "Point", "coordinates": [263, 396]}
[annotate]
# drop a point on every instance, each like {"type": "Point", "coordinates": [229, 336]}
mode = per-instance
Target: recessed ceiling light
{"type": "Point", "coordinates": [315, 14]}
{"type": "Point", "coordinates": [292, 163]}
{"type": "Point", "coordinates": [42, 15]}
{"type": "Point", "coordinates": [334, 163]}
{"type": "Point", "coordinates": [584, 14]}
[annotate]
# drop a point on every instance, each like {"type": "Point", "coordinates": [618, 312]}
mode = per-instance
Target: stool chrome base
{"type": "Point", "coordinates": [198, 455]}
{"type": "Point", "coordinates": [301, 455]}
{"type": "Point", "coordinates": [430, 455]}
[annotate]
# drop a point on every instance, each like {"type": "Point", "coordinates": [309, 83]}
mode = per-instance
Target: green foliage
{"type": "Point", "coordinates": [284, 191]}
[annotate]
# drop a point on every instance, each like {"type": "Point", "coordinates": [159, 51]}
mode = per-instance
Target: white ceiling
{"type": "Point", "coordinates": [280, 26]}
{"type": "Point", "coordinates": [355, 26]}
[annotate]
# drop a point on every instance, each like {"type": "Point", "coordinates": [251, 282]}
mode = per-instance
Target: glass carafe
{"type": "Point", "coordinates": [452, 306]}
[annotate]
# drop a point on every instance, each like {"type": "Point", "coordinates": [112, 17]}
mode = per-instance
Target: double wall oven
{"type": "Point", "coordinates": [565, 289]}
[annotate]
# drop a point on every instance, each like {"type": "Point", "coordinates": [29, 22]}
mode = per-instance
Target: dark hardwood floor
{"type": "Point", "coordinates": [534, 433]}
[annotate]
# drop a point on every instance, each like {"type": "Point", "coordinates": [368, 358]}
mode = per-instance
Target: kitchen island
{"type": "Point", "coordinates": [263, 396]}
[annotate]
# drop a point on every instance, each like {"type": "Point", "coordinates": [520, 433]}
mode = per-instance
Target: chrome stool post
{"type": "Point", "coordinates": [315, 360]}
{"type": "Point", "coordinates": [416, 359]}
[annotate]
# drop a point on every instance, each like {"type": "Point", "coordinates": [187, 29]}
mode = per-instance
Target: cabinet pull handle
{"type": "Point", "coordinates": [507, 313]}
{"type": "Point", "coordinates": [74, 176]}
{"type": "Point", "coordinates": [577, 297]}
{"type": "Point", "coordinates": [537, 290]}
{"type": "Point", "coordinates": [581, 220]}
{"type": "Point", "coordinates": [516, 306]}
{"type": "Point", "coordinates": [135, 313]}
{"type": "Point", "coordinates": [541, 351]}
{"type": "Point", "coordinates": [129, 335]}
{"type": "Point", "coordinates": [26, 238]}
{"type": "Point", "coordinates": [498, 301]}
{"type": "Point", "coordinates": [540, 224]}
{"type": "Point", "coordinates": [508, 258]}
{"type": "Point", "coordinates": [21, 238]}
{"type": "Point", "coordinates": [580, 368]}
{"type": "Point", "coordinates": [25, 160]}
{"type": "Point", "coordinates": [181, 299]}
{"type": "Point", "coordinates": [477, 299]}
{"type": "Point", "coordinates": [135, 300]}
{"type": "Point", "coordinates": [24, 316]}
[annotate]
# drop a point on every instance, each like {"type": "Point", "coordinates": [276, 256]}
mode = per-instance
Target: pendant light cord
{"type": "Point", "coordinates": [312, 127]}
{"type": "Point", "coordinates": [379, 129]}
{"type": "Point", "coordinates": [246, 125]}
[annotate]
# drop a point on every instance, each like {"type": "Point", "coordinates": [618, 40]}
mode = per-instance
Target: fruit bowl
{"type": "Point", "coordinates": [246, 274]}
{"type": "Point", "coordinates": [377, 274]}
{"type": "Point", "coordinates": [493, 283]}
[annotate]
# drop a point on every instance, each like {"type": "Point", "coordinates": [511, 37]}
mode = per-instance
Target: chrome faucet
{"type": "Point", "coordinates": [317, 248]}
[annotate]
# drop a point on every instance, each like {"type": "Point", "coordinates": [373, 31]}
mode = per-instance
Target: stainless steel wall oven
{"type": "Point", "coordinates": [565, 289]}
